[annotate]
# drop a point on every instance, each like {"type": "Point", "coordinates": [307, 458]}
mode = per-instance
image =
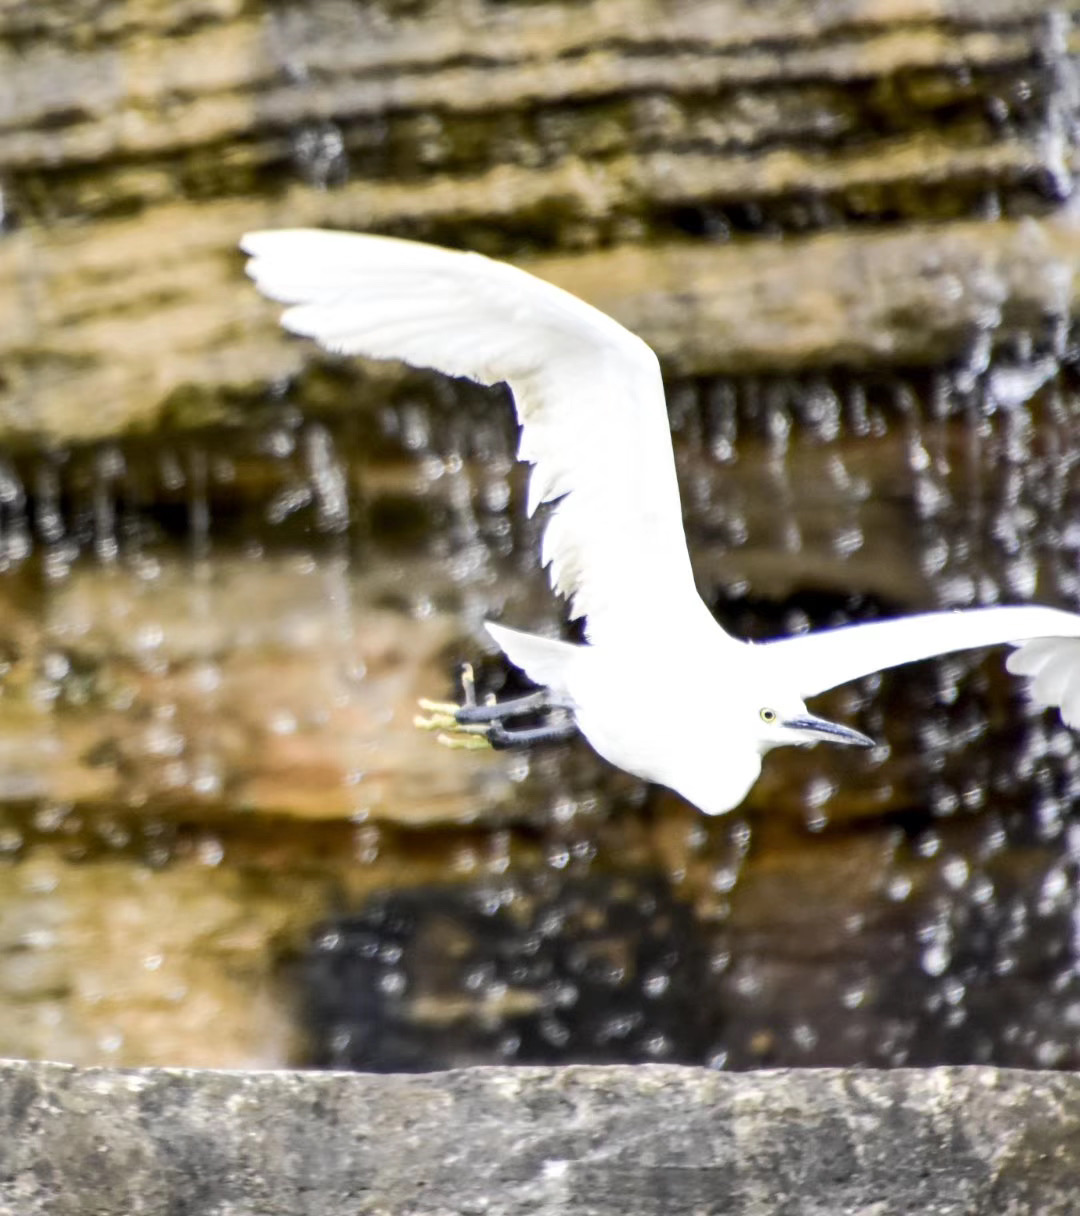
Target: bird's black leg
{"type": "Point", "coordinates": [445, 715]}
{"type": "Point", "coordinates": [471, 725]}
{"type": "Point", "coordinates": [497, 711]}
{"type": "Point", "coordinates": [501, 737]}
{"type": "Point", "coordinates": [470, 711]}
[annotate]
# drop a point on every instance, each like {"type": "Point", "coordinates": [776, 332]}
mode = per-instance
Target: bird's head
{"type": "Point", "coordinates": [783, 720]}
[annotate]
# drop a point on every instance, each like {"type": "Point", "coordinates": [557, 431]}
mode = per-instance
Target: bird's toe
{"type": "Point", "coordinates": [459, 740]}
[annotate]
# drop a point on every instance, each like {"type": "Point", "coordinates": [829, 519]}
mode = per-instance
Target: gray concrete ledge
{"type": "Point", "coordinates": [646, 1140]}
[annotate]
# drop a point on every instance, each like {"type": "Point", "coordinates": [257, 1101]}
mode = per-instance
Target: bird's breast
{"type": "Point", "coordinates": [652, 722]}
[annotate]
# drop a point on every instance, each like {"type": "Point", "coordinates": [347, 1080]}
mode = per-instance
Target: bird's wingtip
{"type": "Point", "coordinates": [263, 240]}
{"type": "Point", "coordinates": [251, 242]}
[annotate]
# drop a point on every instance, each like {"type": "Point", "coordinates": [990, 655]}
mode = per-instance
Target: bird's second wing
{"type": "Point", "coordinates": [1052, 665]}
{"type": "Point", "coordinates": [1047, 641]}
{"type": "Point", "coordinates": [588, 394]}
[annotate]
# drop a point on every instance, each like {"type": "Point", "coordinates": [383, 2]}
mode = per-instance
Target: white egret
{"type": "Point", "coordinates": [659, 688]}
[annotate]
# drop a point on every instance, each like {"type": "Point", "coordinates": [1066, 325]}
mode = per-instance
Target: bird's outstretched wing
{"type": "Point", "coordinates": [1047, 651]}
{"type": "Point", "coordinates": [588, 393]}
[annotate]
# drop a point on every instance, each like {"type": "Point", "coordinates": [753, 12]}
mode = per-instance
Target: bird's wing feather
{"type": "Point", "coordinates": [588, 394]}
{"type": "Point", "coordinates": [1052, 666]}
{"type": "Point", "coordinates": [1047, 641]}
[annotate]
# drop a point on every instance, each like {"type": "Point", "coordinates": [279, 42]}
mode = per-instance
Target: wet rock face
{"type": "Point", "coordinates": [138, 143]}
{"type": "Point", "coordinates": [594, 120]}
{"type": "Point", "coordinates": [597, 1140]}
{"type": "Point", "coordinates": [874, 947]}
{"type": "Point", "coordinates": [534, 969]}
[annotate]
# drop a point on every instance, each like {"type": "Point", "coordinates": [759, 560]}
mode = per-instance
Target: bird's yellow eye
{"type": "Point", "coordinates": [768, 715]}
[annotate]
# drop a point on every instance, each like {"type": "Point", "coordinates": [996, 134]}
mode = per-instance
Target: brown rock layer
{"type": "Point", "coordinates": [138, 143]}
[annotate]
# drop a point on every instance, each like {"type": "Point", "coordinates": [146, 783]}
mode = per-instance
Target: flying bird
{"type": "Point", "coordinates": [658, 688]}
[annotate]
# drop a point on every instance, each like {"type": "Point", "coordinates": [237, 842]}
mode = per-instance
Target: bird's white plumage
{"type": "Point", "coordinates": [660, 690]}
{"type": "Point", "coordinates": [588, 395]}
{"type": "Point", "coordinates": [1048, 651]}
{"type": "Point", "coordinates": [1053, 668]}
{"type": "Point", "coordinates": [545, 659]}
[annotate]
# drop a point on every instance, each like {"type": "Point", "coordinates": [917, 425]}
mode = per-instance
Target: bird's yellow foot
{"type": "Point", "coordinates": [443, 715]}
{"type": "Point", "coordinates": [472, 726]}
{"type": "Point", "coordinates": [452, 733]}
{"type": "Point", "coordinates": [464, 740]}
{"type": "Point", "coordinates": [434, 721]}
{"type": "Point", "coordinates": [465, 736]}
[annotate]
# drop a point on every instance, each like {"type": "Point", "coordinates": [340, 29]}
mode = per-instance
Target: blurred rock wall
{"type": "Point", "coordinates": [228, 565]}
{"type": "Point", "coordinates": [665, 146]}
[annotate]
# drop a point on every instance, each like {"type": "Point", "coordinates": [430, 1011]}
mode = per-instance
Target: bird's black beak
{"type": "Point", "coordinates": [821, 730]}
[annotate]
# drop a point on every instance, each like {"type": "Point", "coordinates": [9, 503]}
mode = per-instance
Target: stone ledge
{"type": "Point", "coordinates": [654, 1139]}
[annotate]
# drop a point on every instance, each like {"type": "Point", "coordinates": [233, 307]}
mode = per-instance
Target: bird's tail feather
{"type": "Point", "coordinates": [545, 661]}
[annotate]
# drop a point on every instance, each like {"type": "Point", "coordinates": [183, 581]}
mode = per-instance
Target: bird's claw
{"type": "Point", "coordinates": [464, 739]}
{"type": "Point", "coordinates": [472, 726]}
{"type": "Point", "coordinates": [466, 736]}
{"type": "Point", "coordinates": [442, 716]}
{"type": "Point", "coordinates": [468, 686]}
